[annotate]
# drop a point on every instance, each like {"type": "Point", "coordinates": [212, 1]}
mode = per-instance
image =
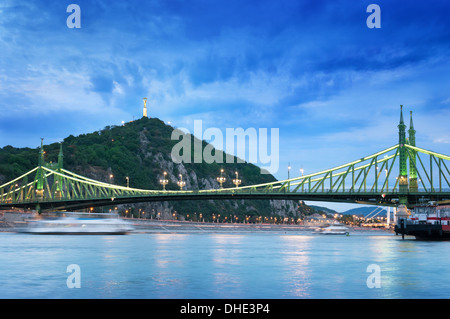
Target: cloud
{"type": "Point", "coordinates": [310, 68]}
{"type": "Point", "coordinates": [44, 89]}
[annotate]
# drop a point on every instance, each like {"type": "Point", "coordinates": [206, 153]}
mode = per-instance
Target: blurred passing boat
{"type": "Point", "coordinates": [335, 229]}
{"type": "Point", "coordinates": [78, 224]}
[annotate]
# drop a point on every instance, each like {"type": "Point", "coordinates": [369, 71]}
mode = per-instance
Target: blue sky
{"type": "Point", "coordinates": [312, 69]}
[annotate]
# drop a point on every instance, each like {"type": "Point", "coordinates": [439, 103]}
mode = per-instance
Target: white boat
{"type": "Point", "coordinates": [78, 224]}
{"type": "Point", "coordinates": [335, 229]}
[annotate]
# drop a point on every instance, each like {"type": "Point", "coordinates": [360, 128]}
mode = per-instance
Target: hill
{"type": "Point", "coordinates": [138, 153]}
{"type": "Point", "coordinates": [324, 209]}
{"type": "Point", "coordinates": [365, 211]}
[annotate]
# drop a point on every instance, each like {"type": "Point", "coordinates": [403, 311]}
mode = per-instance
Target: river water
{"type": "Point", "coordinates": [274, 265]}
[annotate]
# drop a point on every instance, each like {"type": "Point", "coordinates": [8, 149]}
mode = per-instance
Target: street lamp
{"type": "Point", "coordinates": [181, 183]}
{"type": "Point", "coordinates": [237, 181]}
{"type": "Point", "coordinates": [164, 181]}
{"type": "Point", "coordinates": [128, 181]}
{"type": "Point", "coordinates": [221, 179]}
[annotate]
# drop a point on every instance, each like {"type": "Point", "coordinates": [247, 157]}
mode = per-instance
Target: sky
{"type": "Point", "coordinates": [312, 69]}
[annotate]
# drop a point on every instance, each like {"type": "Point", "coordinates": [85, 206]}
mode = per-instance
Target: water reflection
{"type": "Point", "coordinates": [226, 249]}
{"type": "Point", "coordinates": [167, 248]}
{"type": "Point", "coordinates": [297, 268]}
{"type": "Point", "coordinates": [408, 267]}
{"type": "Point", "coordinates": [226, 253]}
{"type": "Point", "coordinates": [222, 266]}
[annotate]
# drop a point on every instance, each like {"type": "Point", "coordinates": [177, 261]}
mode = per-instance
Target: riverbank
{"type": "Point", "coordinates": [168, 226]}
{"type": "Point", "coordinates": [10, 221]}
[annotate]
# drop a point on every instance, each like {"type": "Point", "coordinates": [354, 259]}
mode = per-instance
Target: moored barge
{"type": "Point", "coordinates": [426, 222]}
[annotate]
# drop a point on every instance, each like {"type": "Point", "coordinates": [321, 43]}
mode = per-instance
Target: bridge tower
{"type": "Point", "coordinates": [58, 179]}
{"type": "Point", "coordinates": [413, 187]}
{"type": "Point", "coordinates": [403, 173]}
{"type": "Point", "coordinates": [60, 157]}
{"type": "Point", "coordinates": [40, 173]}
{"type": "Point", "coordinates": [39, 179]}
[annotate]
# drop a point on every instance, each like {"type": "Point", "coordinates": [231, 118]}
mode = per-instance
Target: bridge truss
{"type": "Point", "coordinates": [380, 179]}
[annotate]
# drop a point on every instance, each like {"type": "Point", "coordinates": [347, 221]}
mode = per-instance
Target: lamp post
{"type": "Point", "coordinates": [164, 181]}
{"type": "Point", "coordinates": [128, 181]}
{"type": "Point", "coordinates": [221, 179]}
{"type": "Point", "coordinates": [237, 181]}
{"type": "Point", "coordinates": [181, 183]}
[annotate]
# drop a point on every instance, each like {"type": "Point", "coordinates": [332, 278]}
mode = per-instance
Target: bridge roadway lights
{"type": "Point", "coordinates": [221, 179]}
{"type": "Point", "coordinates": [40, 194]}
{"type": "Point", "coordinates": [56, 188]}
{"type": "Point", "coordinates": [390, 199]}
{"type": "Point", "coordinates": [164, 181]}
{"type": "Point", "coordinates": [181, 183]}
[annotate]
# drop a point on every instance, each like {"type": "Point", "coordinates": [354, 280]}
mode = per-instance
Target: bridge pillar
{"type": "Point", "coordinates": [40, 173]}
{"type": "Point", "coordinates": [38, 208]}
{"type": "Point", "coordinates": [413, 187]}
{"type": "Point", "coordinates": [60, 157]}
{"type": "Point", "coordinates": [58, 179]}
{"type": "Point", "coordinates": [403, 168]}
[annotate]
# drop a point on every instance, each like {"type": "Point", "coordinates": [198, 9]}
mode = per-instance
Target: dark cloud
{"type": "Point", "coordinates": [185, 52]}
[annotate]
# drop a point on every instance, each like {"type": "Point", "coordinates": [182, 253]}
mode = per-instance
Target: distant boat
{"type": "Point", "coordinates": [78, 224]}
{"type": "Point", "coordinates": [335, 229]}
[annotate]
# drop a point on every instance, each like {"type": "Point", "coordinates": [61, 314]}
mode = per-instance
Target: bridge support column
{"type": "Point", "coordinates": [40, 174]}
{"type": "Point", "coordinates": [403, 200]}
{"type": "Point", "coordinates": [413, 187]}
{"type": "Point", "coordinates": [403, 168]}
{"type": "Point", "coordinates": [59, 180]}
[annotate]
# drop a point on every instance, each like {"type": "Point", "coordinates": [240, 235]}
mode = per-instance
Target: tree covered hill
{"type": "Point", "coordinates": [138, 153]}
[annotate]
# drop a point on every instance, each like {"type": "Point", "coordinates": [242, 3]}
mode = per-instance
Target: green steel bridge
{"type": "Point", "coordinates": [403, 174]}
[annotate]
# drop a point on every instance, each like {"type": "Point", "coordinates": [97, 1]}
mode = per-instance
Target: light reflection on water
{"type": "Point", "coordinates": [297, 257]}
{"type": "Point", "coordinates": [222, 265]}
{"type": "Point", "coordinates": [225, 258]}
